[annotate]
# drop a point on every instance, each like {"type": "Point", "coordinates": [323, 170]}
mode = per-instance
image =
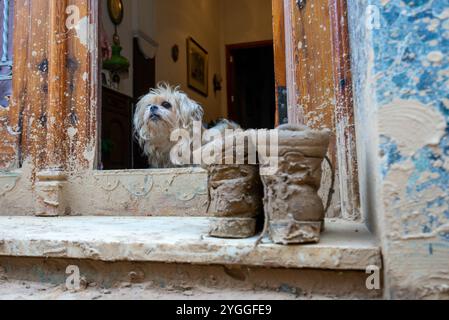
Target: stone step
{"type": "Point", "coordinates": [344, 246]}
{"type": "Point", "coordinates": [164, 258]}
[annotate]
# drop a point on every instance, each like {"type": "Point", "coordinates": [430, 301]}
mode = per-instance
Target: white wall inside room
{"type": "Point", "coordinates": [175, 21]}
{"type": "Point", "coordinates": [212, 23]}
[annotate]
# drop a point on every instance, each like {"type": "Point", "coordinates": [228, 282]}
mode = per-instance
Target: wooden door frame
{"type": "Point", "coordinates": [346, 162]}
{"type": "Point", "coordinates": [56, 78]}
{"type": "Point", "coordinates": [55, 100]}
{"type": "Point", "coordinates": [345, 111]}
{"type": "Point", "coordinates": [280, 69]}
{"type": "Point", "coordinates": [229, 70]}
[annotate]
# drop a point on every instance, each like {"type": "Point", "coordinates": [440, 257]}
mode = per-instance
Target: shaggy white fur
{"type": "Point", "coordinates": [158, 114]}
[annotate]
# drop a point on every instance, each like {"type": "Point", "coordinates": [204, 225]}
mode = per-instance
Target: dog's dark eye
{"type": "Point", "coordinates": [166, 105]}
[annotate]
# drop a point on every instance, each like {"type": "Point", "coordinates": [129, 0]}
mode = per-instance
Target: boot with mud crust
{"type": "Point", "coordinates": [293, 210]}
{"type": "Point", "coordinates": [235, 195]}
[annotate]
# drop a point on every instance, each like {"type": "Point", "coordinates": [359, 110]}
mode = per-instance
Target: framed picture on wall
{"type": "Point", "coordinates": [197, 67]}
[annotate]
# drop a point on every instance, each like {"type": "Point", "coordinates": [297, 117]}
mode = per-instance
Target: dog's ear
{"type": "Point", "coordinates": [140, 130]}
{"type": "Point", "coordinates": [197, 112]}
{"type": "Point", "coordinates": [190, 111]}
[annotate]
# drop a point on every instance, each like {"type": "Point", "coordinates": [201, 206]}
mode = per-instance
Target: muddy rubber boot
{"type": "Point", "coordinates": [235, 195]}
{"type": "Point", "coordinates": [293, 208]}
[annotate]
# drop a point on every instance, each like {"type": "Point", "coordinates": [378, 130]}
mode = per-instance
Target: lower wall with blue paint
{"type": "Point", "coordinates": [400, 61]}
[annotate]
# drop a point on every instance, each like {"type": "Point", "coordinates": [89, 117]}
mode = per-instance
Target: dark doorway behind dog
{"type": "Point", "coordinates": [251, 84]}
{"type": "Point", "coordinates": [144, 78]}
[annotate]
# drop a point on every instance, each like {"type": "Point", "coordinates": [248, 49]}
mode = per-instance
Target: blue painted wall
{"type": "Point", "coordinates": [404, 56]}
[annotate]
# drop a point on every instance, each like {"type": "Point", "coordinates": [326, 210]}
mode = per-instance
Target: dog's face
{"type": "Point", "coordinates": [159, 113]}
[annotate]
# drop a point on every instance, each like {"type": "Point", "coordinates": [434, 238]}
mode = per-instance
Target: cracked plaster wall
{"type": "Point", "coordinates": [401, 71]}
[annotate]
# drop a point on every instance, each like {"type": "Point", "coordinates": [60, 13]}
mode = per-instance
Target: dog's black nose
{"type": "Point", "coordinates": [153, 109]}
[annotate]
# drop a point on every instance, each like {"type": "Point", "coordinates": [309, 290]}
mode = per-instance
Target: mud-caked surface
{"type": "Point", "coordinates": [47, 278]}
{"type": "Point", "coordinates": [291, 193]}
{"type": "Point", "coordinates": [25, 290]}
{"type": "Point", "coordinates": [235, 191]}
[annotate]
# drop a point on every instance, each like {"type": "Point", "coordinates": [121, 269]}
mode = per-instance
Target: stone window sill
{"type": "Point", "coordinates": [344, 245]}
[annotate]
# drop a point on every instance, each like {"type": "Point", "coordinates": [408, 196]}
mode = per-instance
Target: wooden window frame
{"type": "Point", "coordinates": [48, 54]}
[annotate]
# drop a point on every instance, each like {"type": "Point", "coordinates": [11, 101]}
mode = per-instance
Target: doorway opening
{"type": "Point", "coordinates": [157, 38]}
{"type": "Point", "coordinates": [251, 84]}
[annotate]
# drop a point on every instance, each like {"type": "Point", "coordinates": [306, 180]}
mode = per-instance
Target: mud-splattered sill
{"type": "Point", "coordinates": [344, 246]}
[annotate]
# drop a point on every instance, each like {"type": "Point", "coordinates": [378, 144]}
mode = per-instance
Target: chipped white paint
{"type": "Point", "coordinates": [443, 15]}
{"type": "Point", "coordinates": [435, 56]}
{"type": "Point", "coordinates": [433, 25]}
{"type": "Point", "coordinates": [90, 154]}
{"type": "Point", "coordinates": [411, 125]}
{"type": "Point", "coordinates": [86, 33]}
{"type": "Point", "coordinates": [446, 24]}
{"type": "Point", "coordinates": [71, 133]}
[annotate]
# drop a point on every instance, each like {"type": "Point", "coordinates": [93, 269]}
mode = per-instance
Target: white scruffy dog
{"type": "Point", "coordinates": [160, 112]}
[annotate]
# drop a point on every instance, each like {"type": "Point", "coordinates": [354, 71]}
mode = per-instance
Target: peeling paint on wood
{"type": "Point", "coordinates": [320, 88]}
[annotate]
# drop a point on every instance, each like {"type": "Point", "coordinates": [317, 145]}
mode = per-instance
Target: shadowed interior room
{"type": "Point", "coordinates": [233, 40]}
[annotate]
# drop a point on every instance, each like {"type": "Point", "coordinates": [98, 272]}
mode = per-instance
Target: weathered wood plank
{"type": "Point", "coordinates": [57, 86]}
{"type": "Point", "coordinates": [54, 101]}
{"type": "Point", "coordinates": [35, 101]}
{"type": "Point", "coordinates": [312, 44]}
{"type": "Point", "coordinates": [279, 59]}
{"type": "Point", "coordinates": [10, 117]}
{"type": "Point", "coordinates": [83, 86]}
{"type": "Point", "coordinates": [344, 111]}
{"type": "Point", "coordinates": [319, 85]}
